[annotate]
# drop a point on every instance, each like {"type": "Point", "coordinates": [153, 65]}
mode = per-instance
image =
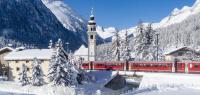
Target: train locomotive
{"type": "Point", "coordinates": [179, 67]}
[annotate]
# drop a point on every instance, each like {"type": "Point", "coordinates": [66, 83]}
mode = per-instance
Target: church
{"type": "Point", "coordinates": [89, 54]}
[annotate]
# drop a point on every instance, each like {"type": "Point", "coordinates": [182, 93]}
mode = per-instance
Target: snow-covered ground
{"type": "Point", "coordinates": [168, 84]}
{"type": "Point", "coordinates": [151, 84]}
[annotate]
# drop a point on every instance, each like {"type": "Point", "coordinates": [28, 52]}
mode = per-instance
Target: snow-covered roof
{"type": "Point", "coordinates": [30, 54]}
{"type": "Point", "coordinates": [82, 51]}
{"type": "Point", "coordinates": [172, 50]}
{"type": "Point", "coordinates": [9, 48]}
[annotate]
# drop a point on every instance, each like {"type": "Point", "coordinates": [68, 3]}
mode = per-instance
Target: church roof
{"type": "Point", "coordinates": [82, 51]}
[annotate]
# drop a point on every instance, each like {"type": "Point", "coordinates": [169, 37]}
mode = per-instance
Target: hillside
{"type": "Point", "coordinates": [31, 22]}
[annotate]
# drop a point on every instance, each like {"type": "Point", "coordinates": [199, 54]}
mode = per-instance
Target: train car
{"type": "Point", "coordinates": [97, 65]}
{"type": "Point", "coordinates": [180, 68]}
{"type": "Point", "coordinates": [115, 65]}
{"type": "Point", "coordinates": [193, 67]}
{"type": "Point", "coordinates": [151, 66]}
{"type": "Point", "coordinates": [86, 65]}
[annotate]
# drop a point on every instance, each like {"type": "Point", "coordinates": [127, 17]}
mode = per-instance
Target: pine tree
{"type": "Point", "coordinates": [116, 46]}
{"type": "Point", "coordinates": [37, 74]}
{"type": "Point", "coordinates": [139, 42]}
{"type": "Point", "coordinates": [149, 46]}
{"type": "Point", "coordinates": [23, 78]}
{"type": "Point", "coordinates": [126, 50]}
{"type": "Point", "coordinates": [61, 71]}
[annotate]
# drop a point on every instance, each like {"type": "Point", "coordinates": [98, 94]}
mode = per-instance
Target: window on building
{"type": "Point", "coordinates": [42, 61]}
{"type": "Point", "coordinates": [28, 69]}
{"type": "Point", "coordinates": [27, 61]}
{"type": "Point", "coordinates": [5, 73]}
{"type": "Point", "coordinates": [16, 61]}
{"type": "Point", "coordinates": [91, 36]}
{"type": "Point", "coordinates": [94, 29]}
{"type": "Point", "coordinates": [17, 69]}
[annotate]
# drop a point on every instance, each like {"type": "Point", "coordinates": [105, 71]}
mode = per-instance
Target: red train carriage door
{"type": "Point", "coordinates": [181, 67]}
{"type": "Point", "coordinates": [127, 66]}
{"type": "Point", "coordinates": [91, 65]}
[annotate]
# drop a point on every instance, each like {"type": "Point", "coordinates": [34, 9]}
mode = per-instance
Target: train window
{"type": "Point", "coordinates": [196, 66]}
{"type": "Point", "coordinates": [85, 64]}
{"type": "Point", "coordinates": [100, 64]}
{"type": "Point", "coordinates": [164, 65]}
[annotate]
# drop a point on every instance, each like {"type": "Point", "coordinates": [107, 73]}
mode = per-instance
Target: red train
{"type": "Point", "coordinates": [180, 67]}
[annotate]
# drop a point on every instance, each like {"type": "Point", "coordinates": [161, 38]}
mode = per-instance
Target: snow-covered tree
{"type": "Point", "coordinates": [125, 50]}
{"type": "Point", "coordinates": [116, 46]}
{"type": "Point", "coordinates": [139, 42]}
{"type": "Point", "coordinates": [23, 77]}
{"type": "Point", "coordinates": [62, 71]}
{"type": "Point", "coordinates": [37, 74]}
{"type": "Point", "coordinates": [149, 45]}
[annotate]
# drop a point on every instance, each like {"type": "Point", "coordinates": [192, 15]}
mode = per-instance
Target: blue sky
{"type": "Point", "coordinates": [126, 13]}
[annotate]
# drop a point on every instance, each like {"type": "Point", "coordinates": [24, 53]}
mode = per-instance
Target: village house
{"type": "Point", "coordinates": [16, 58]}
{"type": "Point", "coordinates": [3, 66]}
{"type": "Point", "coordinates": [182, 54]}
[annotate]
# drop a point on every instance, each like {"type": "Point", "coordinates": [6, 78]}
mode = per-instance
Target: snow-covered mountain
{"type": "Point", "coordinates": [31, 22]}
{"type": "Point", "coordinates": [176, 16]}
{"type": "Point", "coordinates": [179, 15]}
{"type": "Point", "coordinates": [105, 32]}
{"type": "Point", "coordinates": [66, 15]}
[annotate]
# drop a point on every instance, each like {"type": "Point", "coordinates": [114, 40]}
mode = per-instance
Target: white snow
{"type": "Point", "coordinates": [13, 87]}
{"type": "Point", "coordinates": [89, 88]}
{"type": "Point", "coordinates": [168, 84]}
{"type": "Point", "coordinates": [105, 32]}
{"type": "Point", "coordinates": [30, 54]}
{"type": "Point", "coordinates": [66, 15]}
{"type": "Point", "coordinates": [82, 51]}
{"type": "Point", "coordinates": [151, 84]}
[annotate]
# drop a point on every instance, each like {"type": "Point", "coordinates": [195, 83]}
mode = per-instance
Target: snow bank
{"type": "Point", "coordinates": [168, 84]}
{"type": "Point", "coordinates": [164, 81]}
{"type": "Point", "coordinates": [41, 90]}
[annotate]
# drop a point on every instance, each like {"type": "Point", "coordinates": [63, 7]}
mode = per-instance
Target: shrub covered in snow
{"type": "Point", "coordinates": [23, 78]}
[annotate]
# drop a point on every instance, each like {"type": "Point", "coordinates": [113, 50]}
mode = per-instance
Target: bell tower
{"type": "Point", "coordinates": [91, 31]}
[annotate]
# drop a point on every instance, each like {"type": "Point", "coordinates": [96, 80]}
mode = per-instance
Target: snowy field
{"type": "Point", "coordinates": [151, 84]}
{"type": "Point", "coordinates": [168, 84]}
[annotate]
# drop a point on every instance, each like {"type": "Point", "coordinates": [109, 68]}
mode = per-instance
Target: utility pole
{"type": "Point", "coordinates": [157, 40]}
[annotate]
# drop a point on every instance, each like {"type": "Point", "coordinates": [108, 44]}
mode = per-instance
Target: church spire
{"type": "Point", "coordinates": [91, 37]}
{"type": "Point", "coordinates": [92, 12]}
{"type": "Point", "coordinates": [92, 15]}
